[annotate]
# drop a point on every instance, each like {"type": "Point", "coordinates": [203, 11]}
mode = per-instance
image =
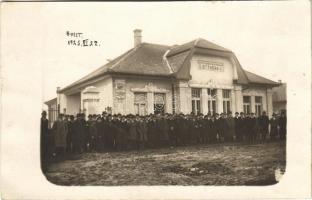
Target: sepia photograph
{"type": "Point", "coordinates": [141, 94]}
{"type": "Point", "coordinates": [186, 113]}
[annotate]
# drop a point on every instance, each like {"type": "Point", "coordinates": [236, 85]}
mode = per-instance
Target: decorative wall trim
{"type": "Point", "coordinates": [150, 88]}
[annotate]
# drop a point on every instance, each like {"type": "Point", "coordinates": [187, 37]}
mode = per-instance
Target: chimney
{"type": "Point", "coordinates": [137, 37]}
{"type": "Point", "coordinates": [58, 89]}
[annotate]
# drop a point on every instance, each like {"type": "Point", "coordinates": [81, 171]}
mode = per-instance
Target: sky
{"type": "Point", "coordinates": [268, 38]}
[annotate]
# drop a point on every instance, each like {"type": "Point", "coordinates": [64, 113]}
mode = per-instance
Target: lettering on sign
{"type": "Point", "coordinates": [211, 66]}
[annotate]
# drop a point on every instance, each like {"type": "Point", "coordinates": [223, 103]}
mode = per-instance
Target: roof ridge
{"type": "Point", "coordinates": [163, 45]}
{"type": "Point", "coordinates": [166, 61]}
{"type": "Point", "coordinates": [196, 41]}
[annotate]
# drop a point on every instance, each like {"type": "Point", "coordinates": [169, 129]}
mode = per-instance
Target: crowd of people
{"type": "Point", "coordinates": [106, 132]}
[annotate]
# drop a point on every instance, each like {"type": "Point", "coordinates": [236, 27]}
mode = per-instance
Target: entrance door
{"type": "Point", "coordinates": [212, 106]}
{"type": "Point", "coordinates": [196, 105]}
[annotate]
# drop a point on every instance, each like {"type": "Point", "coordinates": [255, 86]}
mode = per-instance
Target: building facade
{"type": "Point", "coordinates": [195, 77]}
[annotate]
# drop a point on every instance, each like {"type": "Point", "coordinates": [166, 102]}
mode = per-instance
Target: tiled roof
{"type": "Point", "coordinates": [98, 72]}
{"type": "Point", "coordinates": [147, 59]}
{"type": "Point", "coordinates": [200, 43]}
{"type": "Point", "coordinates": [256, 79]}
{"type": "Point", "coordinates": [162, 60]}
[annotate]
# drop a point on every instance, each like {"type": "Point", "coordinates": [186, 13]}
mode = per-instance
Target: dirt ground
{"type": "Point", "coordinates": [217, 164]}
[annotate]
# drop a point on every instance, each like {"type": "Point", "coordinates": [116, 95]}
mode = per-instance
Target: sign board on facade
{"type": "Point", "coordinates": [211, 66]}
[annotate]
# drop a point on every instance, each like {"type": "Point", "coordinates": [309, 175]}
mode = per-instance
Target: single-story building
{"type": "Point", "coordinates": [198, 76]}
{"type": "Point", "coordinates": [279, 98]}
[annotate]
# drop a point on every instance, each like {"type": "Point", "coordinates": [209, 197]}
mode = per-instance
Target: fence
{"type": "Point", "coordinates": [52, 116]}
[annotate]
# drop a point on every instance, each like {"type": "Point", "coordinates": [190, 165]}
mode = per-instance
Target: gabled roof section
{"type": "Point", "coordinates": [177, 60]}
{"type": "Point", "coordinates": [200, 43]}
{"type": "Point", "coordinates": [51, 101]}
{"type": "Point", "coordinates": [256, 79]}
{"type": "Point", "coordinates": [241, 75]}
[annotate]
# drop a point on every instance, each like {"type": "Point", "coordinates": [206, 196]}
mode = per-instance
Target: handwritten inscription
{"type": "Point", "coordinates": [78, 39]}
{"type": "Point", "coordinates": [211, 66]}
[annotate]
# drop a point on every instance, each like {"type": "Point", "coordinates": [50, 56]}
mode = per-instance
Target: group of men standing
{"type": "Point", "coordinates": [106, 132]}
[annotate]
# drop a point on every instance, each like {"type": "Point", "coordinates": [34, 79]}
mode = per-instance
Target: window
{"type": "Point", "coordinates": [159, 103]}
{"type": "Point", "coordinates": [212, 97]}
{"type": "Point", "coordinates": [226, 94]}
{"type": "Point", "coordinates": [196, 100]}
{"type": "Point", "coordinates": [258, 105]}
{"type": "Point", "coordinates": [226, 101]}
{"type": "Point", "coordinates": [246, 104]}
{"type": "Point", "coordinates": [140, 103]}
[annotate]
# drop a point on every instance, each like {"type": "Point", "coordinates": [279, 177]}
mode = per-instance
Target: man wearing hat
{"type": "Point", "coordinates": [79, 134]}
{"type": "Point", "coordinates": [44, 140]}
{"type": "Point", "coordinates": [252, 128]}
{"type": "Point", "coordinates": [231, 127]}
{"type": "Point", "coordinates": [219, 128]}
{"type": "Point", "coordinates": [282, 122]}
{"type": "Point", "coordinates": [70, 133]}
{"type": "Point", "coordinates": [237, 122]}
{"type": "Point", "coordinates": [274, 125]}
{"type": "Point", "coordinates": [60, 135]}
{"type": "Point", "coordinates": [263, 126]}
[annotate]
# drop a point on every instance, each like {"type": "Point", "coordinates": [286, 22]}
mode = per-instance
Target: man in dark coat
{"type": "Point", "coordinates": [44, 147]}
{"type": "Point", "coordinates": [205, 129]}
{"type": "Point", "coordinates": [230, 127]}
{"type": "Point", "coordinates": [248, 127]}
{"type": "Point", "coordinates": [212, 130]}
{"type": "Point", "coordinates": [245, 126]}
{"type": "Point", "coordinates": [172, 130]}
{"type": "Point", "coordinates": [282, 122]}
{"type": "Point", "coordinates": [109, 133]}
{"type": "Point", "coordinates": [92, 132]}
{"type": "Point", "coordinates": [142, 132]}
{"type": "Point", "coordinates": [60, 131]}
{"type": "Point", "coordinates": [195, 129]}
{"type": "Point", "coordinates": [79, 133]}
{"type": "Point", "coordinates": [252, 128]}
{"type": "Point", "coordinates": [133, 134]}
{"type": "Point", "coordinates": [273, 127]}
{"type": "Point", "coordinates": [100, 134]}
{"type": "Point", "coordinates": [263, 121]}
{"type": "Point", "coordinates": [224, 127]}
{"type": "Point", "coordinates": [163, 130]}
{"type": "Point", "coordinates": [238, 136]}
{"type": "Point", "coordinates": [182, 128]}
{"type": "Point", "coordinates": [219, 128]}
{"type": "Point", "coordinates": [70, 133]}
{"type": "Point", "coordinates": [121, 132]}
{"type": "Point", "coordinates": [152, 132]}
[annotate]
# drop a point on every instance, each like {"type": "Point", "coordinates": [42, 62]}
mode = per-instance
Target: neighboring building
{"type": "Point", "coordinates": [279, 98]}
{"type": "Point", "coordinates": [52, 110]}
{"type": "Point", "coordinates": [198, 76]}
